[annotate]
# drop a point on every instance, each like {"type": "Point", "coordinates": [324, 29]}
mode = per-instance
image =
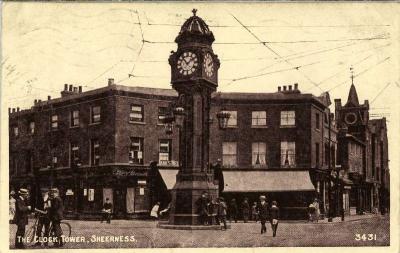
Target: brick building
{"type": "Point", "coordinates": [101, 143]}
{"type": "Point", "coordinates": [363, 155]}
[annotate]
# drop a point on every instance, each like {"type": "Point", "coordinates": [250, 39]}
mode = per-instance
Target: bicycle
{"type": "Point", "coordinates": [31, 232]}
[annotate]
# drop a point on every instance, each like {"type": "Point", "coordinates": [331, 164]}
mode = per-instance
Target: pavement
{"type": "Point", "coordinates": [360, 230]}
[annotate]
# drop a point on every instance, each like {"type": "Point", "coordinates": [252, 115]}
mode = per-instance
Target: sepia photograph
{"type": "Point", "coordinates": [187, 125]}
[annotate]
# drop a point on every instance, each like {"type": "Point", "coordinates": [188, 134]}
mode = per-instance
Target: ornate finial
{"type": "Point", "coordinates": [194, 12]}
{"type": "Point", "coordinates": [352, 75]}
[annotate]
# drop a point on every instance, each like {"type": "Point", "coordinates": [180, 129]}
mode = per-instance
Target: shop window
{"type": "Point", "coordinates": [288, 154]}
{"type": "Point", "coordinates": [259, 118]}
{"type": "Point", "coordinates": [32, 127]}
{"type": "Point", "coordinates": [136, 114]}
{"type": "Point", "coordinates": [229, 154]}
{"type": "Point", "coordinates": [288, 118]}
{"type": "Point", "coordinates": [95, 114]}
{"type": "Point", "coordinates": [54, 122]}
{"type": "Point", "coordinates": [165, 150]}
{"type": "Point", "coordinates": [75, 118]}
{"type": "Point", "coordinates": [94, 152]}
{"type": "Point", "coordinates": [91, 195]}
{"type": "Point", "coordinates": [232, 121]}
{"type": "Point", "coordinates": [258, 154]}
{"type": "Point", "coordinates": [136, 150]}
{"type": "Point", "coordinates": [162, 112]}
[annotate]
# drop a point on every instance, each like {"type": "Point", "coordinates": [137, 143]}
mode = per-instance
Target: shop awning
{"type": "Point", "coordinates": [267, 181]}
{"type": "Point", "coordinates": [169, 177]}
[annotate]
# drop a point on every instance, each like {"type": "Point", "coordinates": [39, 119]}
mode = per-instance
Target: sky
{"type": "Point", "coordinates": [260, 45]}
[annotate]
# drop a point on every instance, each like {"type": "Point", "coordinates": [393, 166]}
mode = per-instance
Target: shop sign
{"type": "Point", "coordinates": [124, 173]}
{"type": "Point", "coordinates": [347, 187]}
{"type": "Point", "coordinates": [69, 192]}
{"type": "Point", "coordinates": [168, 163]}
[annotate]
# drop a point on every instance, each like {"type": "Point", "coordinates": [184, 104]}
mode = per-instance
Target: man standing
{"type": "Point", "coordinates": [202, 205]}
{"type": "Point", "coordinates": [107, 210]}
{"type": "Point", "coordinates": [233, 211]}
{"type": "Point", "coordinates": [56, 215]}
{"type": "Point", "coordinates": [21, 217]}
{"type": "Point", "coordinates": [43, 221]}
{"type": "Point", "coordinates": [245, 210]}
{"type": "Point", "coordinates": [263, 212]}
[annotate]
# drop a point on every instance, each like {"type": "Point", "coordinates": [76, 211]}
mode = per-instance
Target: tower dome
{"type": "Point", "coordinates": [195, 30]}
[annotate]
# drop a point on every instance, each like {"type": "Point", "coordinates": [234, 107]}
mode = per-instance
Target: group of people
{"type": "Point", "coordinates": [49, 210]}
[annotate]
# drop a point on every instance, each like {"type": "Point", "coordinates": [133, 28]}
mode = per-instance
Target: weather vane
{"type": "Point", "coordinates": [352, 74]}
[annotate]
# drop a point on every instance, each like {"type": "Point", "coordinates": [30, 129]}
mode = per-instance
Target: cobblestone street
{"type": "Point", "coordinates": [147, 235]}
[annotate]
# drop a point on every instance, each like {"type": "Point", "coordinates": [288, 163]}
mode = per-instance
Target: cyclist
{"type": "Point", "coordinates": [56, 215]}
{"type": "Point", "coordinates": [43, 218]}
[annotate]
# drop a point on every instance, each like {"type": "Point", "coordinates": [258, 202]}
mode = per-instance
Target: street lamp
{"type": "Point", "coordinates": [223, 117]}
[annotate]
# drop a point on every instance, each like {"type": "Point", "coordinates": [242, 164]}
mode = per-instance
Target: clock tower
{"type": "Point", "coordinates": [194, 74]}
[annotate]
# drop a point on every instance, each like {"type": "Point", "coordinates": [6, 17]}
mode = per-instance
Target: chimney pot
{"type": "Point", "coordinates": [9, 110]}
{"type": "Point", "coordinates": [296, 86]}
{"type": "Point", "coordinates": [17, 109]}
{"type": "Point", "coordinates": [290, 87]}
{"type": "Point", "coordinates": [80, 89]}
{"type": "Point", "coordinates": [65, 86]}
{"type": "Point", "coordinates": [110, 81]}
{"type": "Point", "coordinates": [76, 89]}
{"type": "Point", "coordinates": [279, 88]}
{"type": "Point", "coordinates": [35, 102]}
{"type": "Point", "coordinates": [13, 110]}
{"type": "Point", "coordinates": [48, 97]}
{"type": "Point", "coordinates": [70, 87]}
{"type": "Point", "coordinates": [284, 87]}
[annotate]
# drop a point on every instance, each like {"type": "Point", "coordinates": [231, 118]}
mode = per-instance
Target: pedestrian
{"type": "Point", "coordinates": [245, 210]}
{"type": "Point", "coordinates": [154, 211]}
{"type": "Point", "coordinates": [233, 211]}
{"type": "Point", "coordinates": [42, 208]}
{"type": "Point", "coordinates": [106, 211]}
{"type": "Point", "coordinates": [11, 202]}
{"type": "Point", "coordinates": [263, 211]}
{"type": "Point", "coordinates": [311, 212]}
{"type": "Point", "coordinates": [22, 209]}
{"type": "Point", "coordinates": [254, 212]}
{"type": "Point", "coordinates": [274, 217]}
{"type": "Point", "coordinates": [56, 211]}
{"type": "Point", "coordinates": [202, 207]}
{"type": "Point", "coordinates": [221, 213]}
{"type": "Point", "coordinates": [317, 212]}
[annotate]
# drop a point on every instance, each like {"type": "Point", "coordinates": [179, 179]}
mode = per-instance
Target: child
{"type": "Point", "coordinates": [221, 213]}
{"type": "Point", "coordinates": [274, 217]}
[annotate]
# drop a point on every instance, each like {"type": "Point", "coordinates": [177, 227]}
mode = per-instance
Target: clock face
{"type": "Point", "coordinates": [350, 118]}
{"type": "Point", "coordinates": [208, 65]}
{"type": "Point", "coordinates": [187, 63]}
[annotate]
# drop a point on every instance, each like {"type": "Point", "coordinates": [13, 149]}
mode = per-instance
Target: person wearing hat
{"type": "Point", "coordinates": [22, 209]}
{"type": "Point", "coordinates": [56, 215]}
{"type": "Point", "coordinates": [221, 212]}
{"type": "Point", "coordinates": [263, 212]}
{"type": "Point", "coordinates": [42, 208]}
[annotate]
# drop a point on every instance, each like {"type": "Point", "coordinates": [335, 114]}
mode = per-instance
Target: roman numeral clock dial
{"type": "Point", "coordinates": [208, 65]}
{"type": "Point", "coordinates": [187, 63]}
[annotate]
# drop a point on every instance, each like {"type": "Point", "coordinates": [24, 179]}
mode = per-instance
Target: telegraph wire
{"type": "Point", "coordinates": [380, 93]}
{"type": "Point", "coordinates": [362, 72]}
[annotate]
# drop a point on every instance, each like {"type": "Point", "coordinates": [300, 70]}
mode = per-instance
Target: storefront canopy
{"type": "Point", "coordinates": [267, 181]}
{"type": "Point", "coordinates": [169, 177]}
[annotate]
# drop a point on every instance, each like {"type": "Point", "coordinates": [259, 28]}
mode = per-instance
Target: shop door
{"type": "Point", "coordinates": [108, 193]}
{"type": "Point", "coordinates": [119, 202]}
{"type": "Point", "coordinates": [130, 200]}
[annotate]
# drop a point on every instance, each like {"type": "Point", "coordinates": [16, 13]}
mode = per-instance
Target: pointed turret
{"type": "Point", "coordinates": [353, 97]}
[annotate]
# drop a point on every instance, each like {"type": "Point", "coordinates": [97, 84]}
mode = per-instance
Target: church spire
{"type": "Point", "coordinates": [353, 97]}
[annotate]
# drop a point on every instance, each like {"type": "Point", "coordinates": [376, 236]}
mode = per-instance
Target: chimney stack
{"type": "Point", "coordinates": [66, 87]}
{"type": "Point", "coordinates": [80, 89]}
{"type": "Point", "coordinates": [110, 81]}
{"type": "Point", "coordinates": [296, 86]}
{"type": "Point", "coordinates": [48, 97]}
{"type": "Point", "coordinates": [17, 109]}
{"type": "Point", "coordinates": [75, 89]}
{"type": "Point", "coordinates": [70, 87]}
{"type": "Point", "coordinates": [290, 87]}
{"type": "Point", "coordinates": [35, 102]}
{"type": "Point", "coordinates": [284, 87]}
{"type": "Point", "coordinates": [9, 110]}
{"type": "Point", "coordinates": [13, 110]}
{"type": "Point", "coordinates": [279, 88]}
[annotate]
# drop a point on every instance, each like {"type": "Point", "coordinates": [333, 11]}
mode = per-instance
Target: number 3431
{"type": "Point", "coordinates": [365, 237]}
